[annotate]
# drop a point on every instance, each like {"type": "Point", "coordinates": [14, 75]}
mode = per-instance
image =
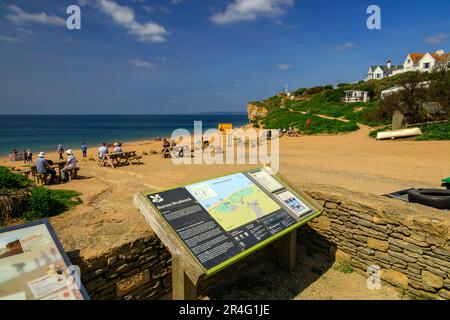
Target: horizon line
{"type": "Point", "coordinates": [122, 114]}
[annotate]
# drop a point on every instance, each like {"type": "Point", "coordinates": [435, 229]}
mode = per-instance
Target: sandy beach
{"type": "Point", "coordinates": [353, 161]}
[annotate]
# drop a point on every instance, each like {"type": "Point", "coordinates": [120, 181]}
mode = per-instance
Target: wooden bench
{"type": "Point", "coordinates": [167, 152]}
{"type": "Point", "coordinates": [42, 178]}
{"type": "Point", "coordinates": [25, 172]}
{"type": "Point", "coordinates": [73, 173]}
{"type": "Point", "coordinates": [135, 159]}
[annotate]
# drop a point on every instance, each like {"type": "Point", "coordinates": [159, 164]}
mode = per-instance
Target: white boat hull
{"type": "Point", "coordinates": [411, 132]}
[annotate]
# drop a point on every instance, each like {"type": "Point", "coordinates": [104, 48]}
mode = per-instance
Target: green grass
{"type": "Point", "coordinates": [11, 181]}
{"type": "Point", "coordinates": [328, 103]}
{"type": "Point", "coordinates": [373, 133]}
{"type": "Point", "coordinates": [283, 119]}
{"type": "Point", "coordinates": [342, 268]}
{"type": "Point", "coordinates": [68, 198]}
{"type": "Point", "coordinates": [435, 131]}
{"type": "Point", "coordinates": [44, 203]}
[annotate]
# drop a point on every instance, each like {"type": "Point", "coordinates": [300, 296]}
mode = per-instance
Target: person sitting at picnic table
{"type": "Point", "coordinates": [43, 166]}
{"type": "Point", "coordinates": [84, 149]}
{"type": "Point", "coordinates": [70, 164]}
{"type": "Point", "coordinates": [60, 152]}
{"type": "Point", "coordinates": [118, 147]}
{"type": "Point", "coordinates": [165, 150]}
{"type": "Point", "coordinates": [102, 150]}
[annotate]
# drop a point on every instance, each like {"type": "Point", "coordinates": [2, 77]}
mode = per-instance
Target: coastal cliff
{"type": "Point", "coordinates": [256, 111]}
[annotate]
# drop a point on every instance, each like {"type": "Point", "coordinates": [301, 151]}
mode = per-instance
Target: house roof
{"type": "Point", "coordinates": [386, 69]}
{"type": "Point", "coordinates": [391, 69]}
{"type": "Point", "coordinates": [442, 57]}
{"type": "Point", "coordinates": [415, 57]}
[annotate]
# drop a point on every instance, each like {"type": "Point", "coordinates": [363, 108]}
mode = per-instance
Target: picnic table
{"type": "Point", "coordinates": [57, 165]}
{"type": "Point", "coordinates": [115, 159]}
{"type": "Point", "coordinates": [167, 152]}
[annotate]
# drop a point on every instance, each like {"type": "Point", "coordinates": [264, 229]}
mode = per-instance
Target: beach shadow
{"type": "Point", "coordinates": [83, 178]}
{"type": "Point", "coordinates": [274, 283]}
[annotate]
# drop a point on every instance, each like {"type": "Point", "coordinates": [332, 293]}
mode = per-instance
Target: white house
{"type": "Point", "coordinates": [352, 96]}
{"type": "Point", "coordinates": [380, 72]}
{"type": "Point", "coordinates": [426, 62]}
{"type": "Point", "coordinates": [423, 62]}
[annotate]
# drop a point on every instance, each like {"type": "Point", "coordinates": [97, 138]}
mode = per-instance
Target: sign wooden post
{"type": "Point", "coordinates": [182, 286]}
{"type": "Point", "coordinates": [288, 251]}
{"type": "Point", "coordinates": [210, 225]}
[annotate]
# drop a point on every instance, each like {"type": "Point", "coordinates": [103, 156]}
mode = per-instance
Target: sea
{"type": "Point", "coordinates": [46, 132]}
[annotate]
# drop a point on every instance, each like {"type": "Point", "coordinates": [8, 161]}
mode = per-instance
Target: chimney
{"type": "Point", "coordinates": [440, 52]}
{"type": "Point", "coordinates": [388, 63]}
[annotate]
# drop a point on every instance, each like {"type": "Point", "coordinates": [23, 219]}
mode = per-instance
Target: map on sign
{"type": "Point", "coordinates": [233, 201]}
{"type": "Point", "coordinates": [223, 219]}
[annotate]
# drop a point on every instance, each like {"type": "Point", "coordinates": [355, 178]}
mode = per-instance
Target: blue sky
{"type": "Point", "coordinates": [185, 56]}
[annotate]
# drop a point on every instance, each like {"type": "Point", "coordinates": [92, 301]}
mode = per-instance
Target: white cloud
{"type": "Point", "coordinates": [140, 63]}
{"type": "Point", "coordinates": [437, 38]}
{"type": "Point", "coordinates": [347, 45]}
{"type": "Point", "coordinates": [125, 17]}
{"type": "Point", "coordinates": [247, 10]}
{"type": "Point", "coordinates": [148, 9]}
{"type": "Point", "coordinates": [284, 66]}
{"type": "Point", "coordinates": [18, 16]}
{"type": "Point", "coordinates": [10, 39]}
{"type": "Point", "coordinates": [176, 1]}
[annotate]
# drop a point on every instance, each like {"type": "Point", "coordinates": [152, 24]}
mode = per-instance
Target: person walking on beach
{"type": "Point", "coordinates": [29, 156]}
{"type": "Point", "coordinates": [60, 152]}
{"type": "Point", "coordinates": [70, 164]}
{"type": "Point", "coordinates": [24, 155]}
{"type": "Point", "coordinates": [102, 151]}
{"type": "Point", "coordinates": [43, 166]}
{"type": "Point", "coordinates": [84, 150]}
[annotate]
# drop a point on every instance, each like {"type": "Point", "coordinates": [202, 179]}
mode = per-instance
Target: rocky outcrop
{"type": "Point", "coordinates": [256, 111]}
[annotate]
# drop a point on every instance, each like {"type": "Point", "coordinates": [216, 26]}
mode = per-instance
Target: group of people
{"type": "Point", "coordinates": [27, 155]}
{"type": "Point", "coordinates": [44, 166]}
{"type": "Point", "coordinates": [103, 149]}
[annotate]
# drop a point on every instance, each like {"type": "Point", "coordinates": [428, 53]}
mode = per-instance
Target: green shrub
{"type": "Point", "coordinates": [435, 131]}
{"type": "Point", "coordinates": [10, 181]}
{"type": "Point", "coordinates": [42, 204]}
{"type": "Point", "coordinates": [45, 203]}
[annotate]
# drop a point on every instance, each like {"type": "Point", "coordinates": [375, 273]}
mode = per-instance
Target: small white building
{"type": "Point", "coordinates": [352, 96]}
{"type": "Point", "coordinates": [380, 72]}
{"type": "Point", "coordinates": [387, 92]}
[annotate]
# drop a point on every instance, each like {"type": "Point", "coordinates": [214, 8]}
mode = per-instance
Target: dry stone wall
{"type": "Point", "coordinates": [140, 270]}
{"type": "Point", "coordinates": [409, 242]}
